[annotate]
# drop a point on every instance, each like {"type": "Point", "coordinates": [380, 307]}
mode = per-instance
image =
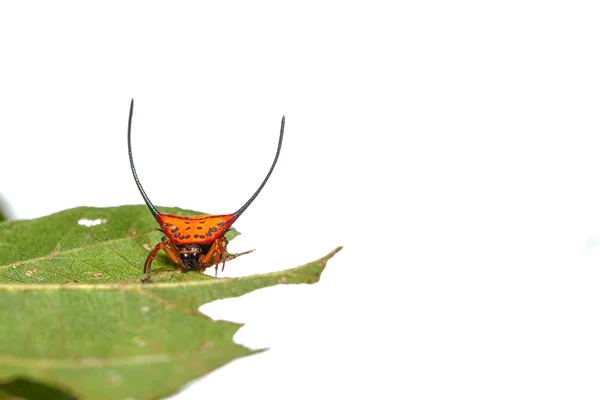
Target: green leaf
{"type": "Point", "coordinates": [76, 322]}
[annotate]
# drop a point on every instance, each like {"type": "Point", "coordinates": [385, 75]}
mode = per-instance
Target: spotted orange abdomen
{"type": "Point", "coordinates": [201, 229]}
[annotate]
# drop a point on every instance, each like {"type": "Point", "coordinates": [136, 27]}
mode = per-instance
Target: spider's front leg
{"type": "Point", "coordinates": [168, 247]}
{"type": "Point", "coordinates": [218, 250]}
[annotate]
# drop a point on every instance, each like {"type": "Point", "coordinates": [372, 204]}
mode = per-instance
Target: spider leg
{"type": "Point", "coordinates": [223, 252]}
{"type": "Point", "coordinates": [168, 247]}
{"type": "Point", "coordinates": [218, 250]}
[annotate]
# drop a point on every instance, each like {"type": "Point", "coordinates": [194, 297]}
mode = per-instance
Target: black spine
{"type": "Point", "coordinates": [243, 208]}
{"type": "Point", "coordinates": [137, 181]}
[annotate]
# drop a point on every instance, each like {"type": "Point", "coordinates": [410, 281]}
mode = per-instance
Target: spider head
{"type": "Point", "coordinates": [190, 256]}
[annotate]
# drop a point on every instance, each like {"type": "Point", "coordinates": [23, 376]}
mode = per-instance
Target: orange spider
{"type": "Point", "coordinates": [193, 241]}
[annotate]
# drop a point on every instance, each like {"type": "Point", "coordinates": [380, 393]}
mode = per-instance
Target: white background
{"type": "Point", "coordinates": [453, 148]}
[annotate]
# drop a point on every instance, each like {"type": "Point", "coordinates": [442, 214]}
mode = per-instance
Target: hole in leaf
{"type": "Point", "coordinates": [91, 222]}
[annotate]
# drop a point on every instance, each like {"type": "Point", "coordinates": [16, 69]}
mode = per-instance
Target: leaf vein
{"type": "Point", "coordinates": [90, 362]}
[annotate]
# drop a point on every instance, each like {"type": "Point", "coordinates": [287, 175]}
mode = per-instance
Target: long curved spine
{"type": "Point", "coordinates": [153, 209]}
{"type": "Point", "coordinates": [245, 206]}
